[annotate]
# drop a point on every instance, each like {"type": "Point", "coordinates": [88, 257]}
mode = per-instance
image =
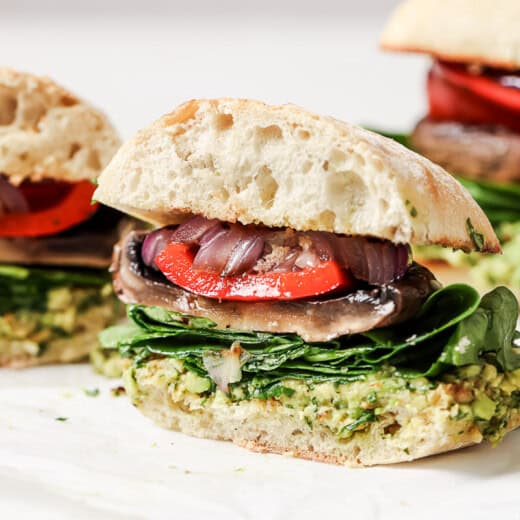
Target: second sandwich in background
{"type": "Point", "coordinates": [55, 245]}
{"type": "Point", "coordinates": [473, 123]}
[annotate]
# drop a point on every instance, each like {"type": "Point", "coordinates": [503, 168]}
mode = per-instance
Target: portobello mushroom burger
{"type": "Point", "coordinates": [55, 245]}
{"type": "Point", "coordinates": [472, 127]}
{"type": "Point", "coordinates": [277, 304]}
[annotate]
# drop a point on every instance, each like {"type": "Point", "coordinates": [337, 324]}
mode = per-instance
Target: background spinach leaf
{"type": "Point", "coordinates": [26, 287]}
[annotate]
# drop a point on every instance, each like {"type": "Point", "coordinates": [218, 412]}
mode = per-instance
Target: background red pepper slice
{"type": "Point", "coordinates": [74, 205]}
{"type": "Point", "coordinates": [176, 261]}
{"type": "Point", "coordinates": [486, 87]}
{"type": "Point", "coordinates": [456, 95]}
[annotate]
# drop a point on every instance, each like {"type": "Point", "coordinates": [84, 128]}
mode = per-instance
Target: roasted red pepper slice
{"type": "Point", "coordinates": [456, 95]}
{"type": "Point", "coordinates": [50, 214]}
{"type": "Point", "coordinates": [176, 262]}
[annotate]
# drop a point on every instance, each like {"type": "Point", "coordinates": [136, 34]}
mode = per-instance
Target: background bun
{"type": "Point", "coordinates": [476, 31]}
{"type": "Point", "coordinates": [243, 160]}
{"type": "Point", "coordinates": [48, 132]}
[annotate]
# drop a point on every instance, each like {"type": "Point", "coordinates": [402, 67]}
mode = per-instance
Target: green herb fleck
{"type": "Point", "coordinates": [476, 237]}
{"type": "Point", "coordinates": [372, 398]}
{"type": "Point", "coordinates": [365, 418]}
{"type": "Point", "coordinates": [91, 392]}
{"type": "Point", "coordinates": [413, 212]}
{"type": "Point", "coordinates": [117, 391]}
{"type": "Point", "coordinates": [61, 419]}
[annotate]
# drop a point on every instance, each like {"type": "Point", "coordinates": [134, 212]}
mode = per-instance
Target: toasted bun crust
{"type": "Point", "coordinates": [45, 131]}
{"type": "Point", "coordinates": [243, 160]}
{"type": "Point", "coordinates": [475, 31]}
{"type": "Point", "coordinates": [425, 429]}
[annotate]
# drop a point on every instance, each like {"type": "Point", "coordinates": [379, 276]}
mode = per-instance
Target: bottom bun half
{"type": "Point", "coordinates": [414, 422]}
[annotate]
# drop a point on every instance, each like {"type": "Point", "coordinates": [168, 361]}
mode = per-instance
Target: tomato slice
{"type": "Point", "coordinates": [176, 263]}
{"type": "Point", "coordinates": [52, 211]}
{"type": "Point", "coordinates": [456, 95]}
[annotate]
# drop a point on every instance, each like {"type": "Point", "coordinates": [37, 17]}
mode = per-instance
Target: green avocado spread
{"type": "Point", "coordinates": [473, 396]}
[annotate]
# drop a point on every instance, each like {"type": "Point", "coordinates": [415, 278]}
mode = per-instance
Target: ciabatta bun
{"type": "Point", "coordinates": [47, 132]}
{"type": "Point", "coordinates": [483, 32]}
{"type": "Point", "coordinates": [243, 160]}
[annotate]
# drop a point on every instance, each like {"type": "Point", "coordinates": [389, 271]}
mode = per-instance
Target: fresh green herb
{"type": "Point", "coordinates": [365, 418]}
{"type": "Point", "coordinates": [61, 419]}
{"type": "Point", "coordinates": [413, 212]}
{"type": "Point", "coordinates": [476, 237]}
{"type": "Point", "coordinates": [91, 392]}
{"type": "Point", "coordinates": [371, 398]}
{"type": "Point", "coordinates": [461, 414]}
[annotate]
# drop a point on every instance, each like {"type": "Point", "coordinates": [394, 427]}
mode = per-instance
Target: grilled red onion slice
{"type": "Point", "coordinates": [374, 261]}
{"type": "Point", "coordinates": [11, 198]}
{"type": "Point", "coordinates": [322, 244]}
{"type": "Point", "coordinates": [307, 258]}
{"type": "Point", "coordinates": [225, 367]}
{"type": "Point", "coordinates": [154, 243]}
{"type": "Point", "coordinates": [216, 249]}
{"type": "Point", "coordinates": [235, 249]}
{"type": "Point", "coordinates": [191, 231]}
{"type": "Point", "coordinates": [244, 256]}
{"type": "Point", "coordinates": [288, 263]}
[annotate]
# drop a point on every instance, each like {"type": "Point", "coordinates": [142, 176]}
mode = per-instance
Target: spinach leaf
{"type": "Point", "coordinates": [27, 287]}
{"type": "Point", "coordinates": [500, 202]}
{"type": "Point", "coordinates": [453, 328]}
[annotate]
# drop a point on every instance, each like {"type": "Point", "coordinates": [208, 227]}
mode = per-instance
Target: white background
{"type": "Point", "coordinates": [137, 60]}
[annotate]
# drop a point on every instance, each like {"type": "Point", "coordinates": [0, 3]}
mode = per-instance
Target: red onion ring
{"type": "Point", "coordinates": [154, 243]}
{"type": "Point", "coordinates": [244, 256]}
{"type": "Point", "coordinates": [307, 258]}
{"type": "Point", "coordinates": [230, 250]}
{"type": "Point", "coordinates": [12, 199]}
{"type": "Point", "coordinates": [191, 231]}
{"type": "Point", "coordinates": [322, 244]}
{"type": "Point", "coordinates": [215, 251]}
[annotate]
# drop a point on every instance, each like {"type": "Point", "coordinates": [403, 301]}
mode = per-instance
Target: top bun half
{"type": "Point", "coordinates": [281, 166]}
{"type": "Point", "coordinates": [485, 32]}
{"type": "Point", "coordinates": [47, 132]}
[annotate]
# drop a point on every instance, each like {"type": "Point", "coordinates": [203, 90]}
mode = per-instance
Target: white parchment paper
{"type": "Point", "coordinates": [107, 461]}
